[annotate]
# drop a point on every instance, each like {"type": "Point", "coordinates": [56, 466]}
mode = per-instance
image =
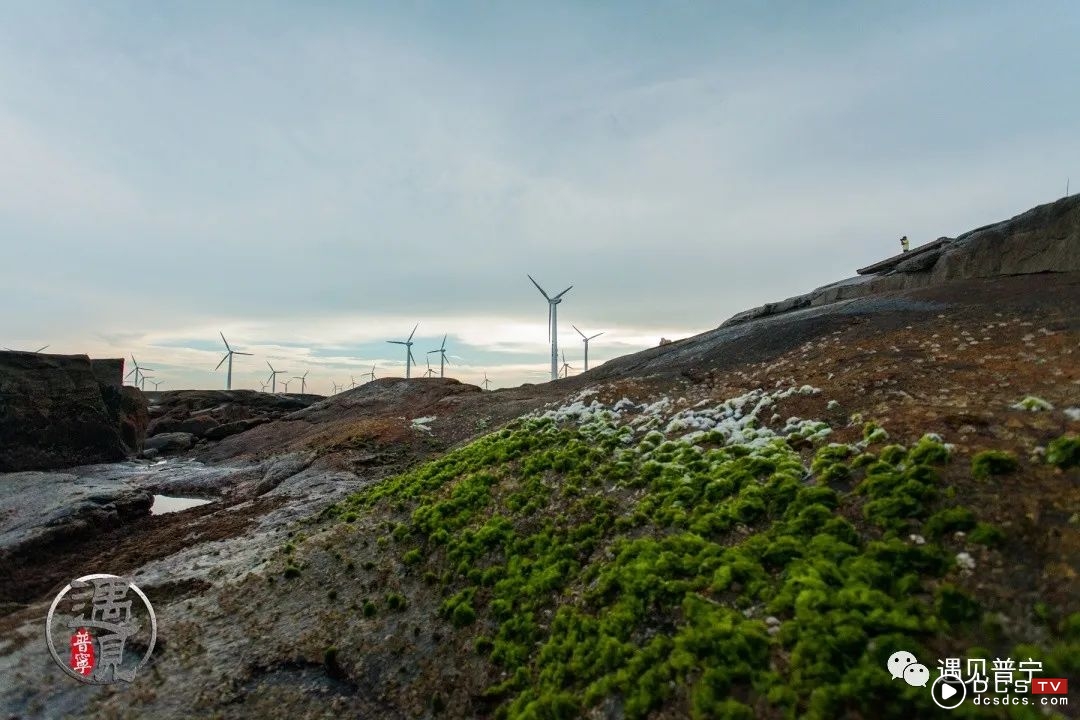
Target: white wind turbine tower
{"type": "Point", "coordinates": [228, 356]}
{"type": "Point", "coordinates": [273, 377]}
{"type": "Point", "coordinates": [409, 360]}
{"type": "Point", "coordinates": [486, 383]}
{"type": "Point", "coordinates": [442, 357]}
{"type": "Point", "coordinates": [335, 391]}
{"type": "Point", "coordinates": [353, 379]}
{"type": "Point", "coordinates": [565, 366]}
{"type": "Point", "coordinates": [303, 381]}
{"type": "Point", "coordinates": [144, 379]}
{"type": "Point", "coordinates": [157, 384]}
{"type": "Point", "coordinates": [429, 372]}
{"type": "Point", "coordinates": [586, 339]}
{"type": "Point", "coordinates": [286, 382]}
{"type": "Point", "coordinates": [553, 325]}
{"type": "Point", "coordinates": [137, 372]}
{"type": "Point", "coordinates": [370, 375]}
{"type": "Point", "coordinates": [264, 385]}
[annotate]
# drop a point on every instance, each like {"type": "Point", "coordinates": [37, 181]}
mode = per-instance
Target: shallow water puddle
{"type": "Point", "coordinates": [165, 504]}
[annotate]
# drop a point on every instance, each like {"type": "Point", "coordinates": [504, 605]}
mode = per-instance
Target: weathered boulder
{"type": "Point", "coordinates": [170, 442]}
{"type": "Point", "coordinates": [225, 430]}
{"type": "Point", "coordinates": [197, 425]}
{"type": "Point", "coordinates": [60, 411]}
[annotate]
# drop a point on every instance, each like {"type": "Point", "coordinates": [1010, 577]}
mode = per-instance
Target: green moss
{"type": "Point", "coordinates": [872, 433]}
{"type": "Point", "coordinates": [986, 534]}
{"type": "Point", "coordinates": [950, 520]}
{"type": "Point", "coordinates": [929, 451]}
{"type": "Point", "coordinates": [1064, 452]}
{"type": "Point", "coordinates": [394, 601]}
{"type": "Point", "coordinates": [1031, 403]}
{"type": "Point", "coordinates": [369, 609]}
{"type": "Point", "coordinates": [292, 571]}
{"type": "Point", "coordinates": [893, 454]}
{"type": "Point", "coordinates": [605, 571]}
{"type": "Point", "coordinates": [462, 615]}
{"type": "Point", "coordinates": [993, 462]}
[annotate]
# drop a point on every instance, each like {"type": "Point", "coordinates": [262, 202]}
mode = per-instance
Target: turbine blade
{"type": "Point", "coordinates": [41, 348]}
{"type": "Point", "coordinates": [224, 340]}
{"type": "Point", "coordinates": [269, 366]}
{"type": "Point", "coordinates": [538, 287]}
{"type": "Point", "coordinates": [397, 342]}
{"type": "Point", "coordinates": [576, 328]}
{"type": "Point", "coordinates": [443, 342]}
{"type": "Point", "coordinates": [563, 293]}
{"type": "Point", "coordinates": [222, 361]}
{"type": "Point", "coordinates": [431, 351]}
{"type": "Point", "coordinates": [240, 353]}
{"type": "Point", "coordinates": [413, 330]}
{"type": "Point", "coordinates": [596, 335]}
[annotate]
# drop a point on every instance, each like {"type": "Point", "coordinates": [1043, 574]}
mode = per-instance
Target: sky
{"type": "Point", "coordinates": [313, 179]}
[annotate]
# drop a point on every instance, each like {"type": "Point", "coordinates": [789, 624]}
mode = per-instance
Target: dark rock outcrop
{"type": "Point", "coordinates": [60, 411]}
{"type": "Point", "coordinates": [1043, 239]}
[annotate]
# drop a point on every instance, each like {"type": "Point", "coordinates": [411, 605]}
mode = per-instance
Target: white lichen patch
{"type": "Point", "coordinates": [421, 423]}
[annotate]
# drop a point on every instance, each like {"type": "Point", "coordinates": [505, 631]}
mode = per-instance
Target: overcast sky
{"type": "Point", "coordinates": [314, 178]}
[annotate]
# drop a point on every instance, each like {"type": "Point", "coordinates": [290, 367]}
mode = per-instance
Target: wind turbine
{"type": "Point", "coordinates": [35, 351]}
{"type": "Point", "coordinates": [228, 356]}
{"type": "Point", "coordinates": [286, 382]}
{"type": "Point", "coordinates": [303, 381]}
{"type": "Point", "coordinates": [264, 385]}
{"type": "Point", "coordinates": [429, 372]}
{"type": "Point", "coordinates": [370, 375]}
{"type": "Point", "coordinates": [157, 384]}
{"type": "Point", "coordinates": [442, 356]}
{"type": "Point", "coordinates": [565, 366]}
{"type": "Point", "coordinates": [486, 383]}
{"type": "Point", "coordinates": [586, 339]}
{"type": "Point", "coordinates": [553, 325]}
{"type": "Point", "coordinates": [273, 377]}
{"type": "Point", "coordinates": [335, 387]}
{"type": "Point", "coordinates": [353, 379]}
{"type": "Point", "coordinates": [409, 360]}
{"type": "Point", "coordinates": [137, 371]}
{"type": "Point", "coordinates": [144, 379]}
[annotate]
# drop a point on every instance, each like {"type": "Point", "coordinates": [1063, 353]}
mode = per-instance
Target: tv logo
{"type": "Point", "coordinates": [1049, 686]}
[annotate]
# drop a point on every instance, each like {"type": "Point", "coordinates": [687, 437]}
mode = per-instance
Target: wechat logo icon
{"type": "Point", "coordinates": [904, 665]}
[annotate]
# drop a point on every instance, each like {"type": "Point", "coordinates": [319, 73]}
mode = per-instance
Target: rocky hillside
{"type": "Point", "coordinates": [182, 419]}
{"type": "Point", "coordinates": [743, 524]}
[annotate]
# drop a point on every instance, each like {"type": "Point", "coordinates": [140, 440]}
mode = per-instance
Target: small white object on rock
{"type": "Point", "coordinates": [917, 539]}
{"type": "Point", "coordinates": [965, 561]}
